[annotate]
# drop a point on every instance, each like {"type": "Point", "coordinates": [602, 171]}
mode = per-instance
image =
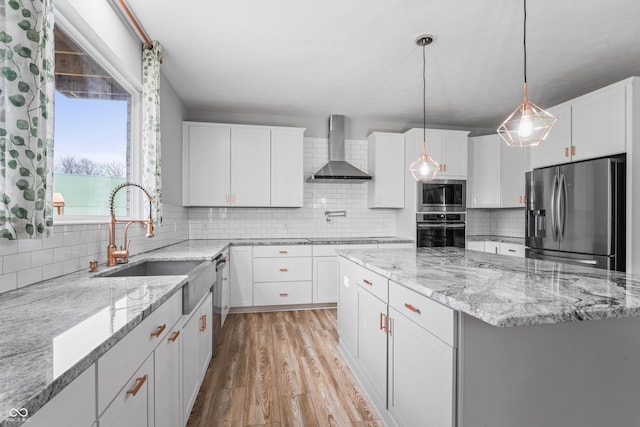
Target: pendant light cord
{"type": "Point", "coordinates": [424, 100]}
{"type": "Point", "coordinates": [525, 41]}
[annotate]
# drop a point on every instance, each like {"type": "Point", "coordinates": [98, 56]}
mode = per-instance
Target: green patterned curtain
{"type": "Point", "coordinates": [26, 118]}
{"type": "Point", "coordinates": [151, 180]}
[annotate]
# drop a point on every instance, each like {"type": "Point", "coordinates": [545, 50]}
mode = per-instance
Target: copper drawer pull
{"type": "Point", "coordinates": [225, 278]}
{"type": "Point", "coordinates": [136, 388]}
{"type": "Point", "coordinates": [566, 151]}
{"type": "Point", "coordinates": [388, 325]}
{"type": "Point", "coordinates": [367, 282]}
{"type": "Point", "coordinates": [283, 252]}
{"type": "Point", "coordinates": [573, 150]}
{"type": "Point", "coordinates": [174, 336]}
{"type": "Point", "coordinates": [412, 308]}
{"type": "Point", "coordinates": [284, 270]}
{"type": "Point", "coordinates": [284, 294]}
{"type": "Point", "coordinates": [203, 323]}
{"type": "Point", "coordinates": [159, 330]}
{"type": "Point", "coordinates": [382, 322]}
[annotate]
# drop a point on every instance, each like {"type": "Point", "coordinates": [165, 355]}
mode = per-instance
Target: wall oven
{"type": "Point", "coordinates": [438, 230]}
{"type": "Point", "coordinates": [442, 195]}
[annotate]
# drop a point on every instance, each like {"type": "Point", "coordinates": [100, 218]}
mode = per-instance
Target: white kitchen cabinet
{"type": "Point", "coordinates": [167, 380]}
{"type": "Point", "coordinates": [282, 275]}
{"type": "Point", "coordinates": [225, 288]}
{"type": "Point", "coordinates": [511, 249]}
{"type": "Point", "coordinates": [476, 246]}
{"type": "Point", "coordinates": [387, 168]}
{"type": "Point", "coordinates": [598, 123]}
{"type": "Point", "coordinates": [484, 179]}
{"type": "Point", "coordinates": [206, 165]}
{"type": "Point", "coordinates": [241, 276]}
{"type": "Point", "coordinates": [556, 148]}
{"type": "Point", "coordinates": [492, 247]}
{"type": "Point", "coordinates": [514, 162]}
{"type": "Point", "coordinates": [250, 166]}
{"type": "Point", "coordinates": [133, 405]}
{"type": "Point", "coordinates": [421, 375]}
{"type": "Point", "coordinates": [287, 162]}
{"type": "Point", "coordinates": [372, 343]}
{"type": "Point", "coordinates": [325, 279]}
{"type": "Point", "coordinates": [447, 147]}
{"type": "Point", "coordinates": [196, 352]}
{"type": "Point", "coordinates": [348, 308]}
{"type": "Point", "coordinates": [77, 398]}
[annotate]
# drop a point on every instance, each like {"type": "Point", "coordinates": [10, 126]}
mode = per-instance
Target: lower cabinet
{"type": "Point", "coordinates": [241, 276]}
{"type": "Point", "coordinates": [225, 303]}
{"type": "Point", "coordinates": [196, 352]}
{"type": "Point", "coordinates": [325, 275]}
{"type": "Point", "coordinates": [133, 405]}
{"type": "Point", "coordinates": [494, 247]}
{"type": "Point", "coordinates": [166, 371]}
{"type": "Point", "coordinates": [402, 349]}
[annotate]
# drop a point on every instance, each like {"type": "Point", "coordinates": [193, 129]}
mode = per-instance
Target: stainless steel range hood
{"type": "Point", "coordinates": [338, 170]}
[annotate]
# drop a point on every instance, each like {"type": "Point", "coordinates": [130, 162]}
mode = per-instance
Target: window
{"type": "Point", "coordinates": [92, 141]}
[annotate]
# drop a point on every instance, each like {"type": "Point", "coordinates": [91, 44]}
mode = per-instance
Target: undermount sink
{"type": "Point", "coordinates": [153, 268]}
{"type": "Point", "coordinates": [201, 276]}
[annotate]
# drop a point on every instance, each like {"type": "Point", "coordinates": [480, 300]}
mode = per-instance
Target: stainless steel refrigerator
{"type": "Point", "coordinates": [575, 213]}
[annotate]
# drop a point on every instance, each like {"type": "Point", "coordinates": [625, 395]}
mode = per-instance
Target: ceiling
{"type": "Point", "coordinates": [359, 58]}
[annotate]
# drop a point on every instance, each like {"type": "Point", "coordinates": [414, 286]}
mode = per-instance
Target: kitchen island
{"type": "Point", "coordinates": [448, 337]}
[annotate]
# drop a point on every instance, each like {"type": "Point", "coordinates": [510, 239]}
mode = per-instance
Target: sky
{"type": "Point", "coordinates": [79, 132]}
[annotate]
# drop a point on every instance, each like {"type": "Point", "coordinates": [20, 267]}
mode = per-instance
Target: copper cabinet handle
{"type": "Point", "coordinates": [475, 200]}
{"type": "Point", "coordinates": [283, 252]}
{"type": "Point", "coordinates": [136, 388]}
{"type": "Point", "coordinates": [566, 151]}
{"type": "Point", "coordinates": [300, 199]}
{"type": "Point", "coordinates": [174, 336]}
{"type": "Point", "coordinates": [412, 308]}
{"type": "Point", "coordinates": [233, 198]}
{"type": "Point", "coordinates": [573, 150]}
{"type": "Point", "coordinates": [225, 278]}
{"type": "Point", "coordinates": [367, 282]}
{"type": "Point", "coordinates": [284, 294]}
{"type": "Point", "coordinates": [225, 307]}
{"type": "Point", "coordinates": [445, 167]}
{"type": "Point", "coordinates": [203, 323]}
{"type": "Point", "coordinates": [159, 330]}
{"type": "Point", "coordinates": [284, 270]}
{"type": "Point", "coordinates": [387, 325]}
{"type": "Point", "coordinates": [226, 198]}
{"type": "Point", "coordinates": [440, 168]}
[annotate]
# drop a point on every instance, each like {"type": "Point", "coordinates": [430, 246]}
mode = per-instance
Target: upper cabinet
{"type": "Point", "coordinates": [593, 125]}
{"type": "Point", "coordinates": [496, 173]}
{"type": "Point", "coordinates": [447, 147]}
{"type": "Point", "coordinates": [242, 165]}
{"type": "Point", "coordinates": [387, 168]}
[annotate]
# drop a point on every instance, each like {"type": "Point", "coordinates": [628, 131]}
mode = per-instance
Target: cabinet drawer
{"type": "Point", "coordinates": [281, 251]}
{"type": "Point", "coordinates": [492, 247]}
{"type": "Point", "coordinates": [431, 315]}
{"type": "Point", "coordinates": [512, 249]}
{"type": "Point", "coordinates": [281, 270]}
{"type": "Point", "coordinates": [372, 282]}
{"type": "Point", "coordinates": [278, 293]}
{"type": "Point", "coordinates": [117, 365]}
{"type": "Point", "coordinates": [330, 250]}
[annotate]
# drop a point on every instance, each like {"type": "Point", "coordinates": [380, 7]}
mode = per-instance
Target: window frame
{"type": "Point", "coordinates": [89, 43]}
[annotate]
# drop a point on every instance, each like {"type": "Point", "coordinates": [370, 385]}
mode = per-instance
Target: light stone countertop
{"type": "Point", "coordinates": [507, 291]}
{"type": "Point", "coordinates": [34, 317]}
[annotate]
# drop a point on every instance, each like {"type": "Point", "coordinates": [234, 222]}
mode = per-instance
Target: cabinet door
{"type": "Point", "coordinates": [205, 338]}
{"type": "Point", "coordinates": [133, 405]}
{"type": "Point", "coordinates": [556, 148]}
{"type": "Point", "coordinates": [475, 246]}
{"type": "Point", "coordinates": [325, 279]}
{"type": "Point", "coordinates": [387, 167]}
{"type": "Point", "coordinates": [421, 375]}
{"type": "Point", "coordinates": [485, 171]}
{"type": "Point", "coordinates": [598, 124]}
{"type": "Point", "coordinates": [206, 165]}
{"type": "Point", "coordinates": [454, 154]}
{"type": "Point", "coordinates": [190, 367]}
{"type": "Point", "coordinates": [511, 249]}
{"type": "Point", "coordinates": [492, 247]}
{"type": "Point", "coordinates": [372, 344]}
{"type": "Point", "coordinates": [241, 276]}
{"type": "Point", "coordinates": [250, 167]}
{"type": "Point", "coordinates": [514, 162]}
{"type": "Point", "coordinates": [167, 380]}
{"type": "Point", "coordinates": [287, 163]}
{"type": "Point", "coordinates": [347, 308]}
{"type": "Point", "coordinates": [226, 296]}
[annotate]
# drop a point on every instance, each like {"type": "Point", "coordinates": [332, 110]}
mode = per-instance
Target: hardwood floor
{"type": "Point", "coordinates": [281, 369]}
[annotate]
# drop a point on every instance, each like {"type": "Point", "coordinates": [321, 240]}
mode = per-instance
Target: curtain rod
{"type": "Point", "coordinates": [135, 23]}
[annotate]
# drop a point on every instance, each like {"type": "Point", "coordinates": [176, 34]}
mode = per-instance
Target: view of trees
{"type": "Point", "coordinates": [83, 166]}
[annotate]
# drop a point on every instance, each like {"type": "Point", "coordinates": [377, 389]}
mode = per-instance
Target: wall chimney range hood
{"type": "Point", "coordinates": [338, 170]}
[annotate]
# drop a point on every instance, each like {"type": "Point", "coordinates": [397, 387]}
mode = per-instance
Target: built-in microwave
{"type": "Point", "coordinates": [442, 195]}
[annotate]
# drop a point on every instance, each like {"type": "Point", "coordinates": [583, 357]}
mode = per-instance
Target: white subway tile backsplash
{"type": "Point", "coordinates": [16, 262]}
{"type": "Point", "coordinates": [8, 282]}
{"type": "Point", "coordinates": [51, 270]}
{"type": "Point", "coordinates": [30, 276]}
{"type": "Point", "coordinates": [42, 257]}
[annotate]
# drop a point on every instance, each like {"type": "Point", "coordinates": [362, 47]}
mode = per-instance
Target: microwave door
{"type": "Point", "coordinates": [585, 207]}
{"type": "Point", "coordinates": [544, 184]}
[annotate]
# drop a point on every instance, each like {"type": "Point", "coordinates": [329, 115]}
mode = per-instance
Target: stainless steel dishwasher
{"type": "Point", "coordinates": [216, 321]}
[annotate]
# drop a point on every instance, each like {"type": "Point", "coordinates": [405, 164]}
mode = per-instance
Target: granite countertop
{"type": "Point", "coordinates": [494, 238]}
{"type": "Point", "coordinates": [34, 318]}
{"type": "Point", "coordinates": [507, 291]}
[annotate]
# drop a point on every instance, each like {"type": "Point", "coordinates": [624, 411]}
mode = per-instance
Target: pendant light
{"type": "Point", "coordinates": [529, 124]}
{"type": "Point", "coordinates": [424, 168]}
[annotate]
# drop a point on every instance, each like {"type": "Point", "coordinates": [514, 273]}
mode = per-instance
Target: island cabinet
{"type": "Point", "coordinates": [242, 165]}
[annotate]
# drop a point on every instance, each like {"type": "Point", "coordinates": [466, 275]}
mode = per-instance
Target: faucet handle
{"type": "Point", "coordinates": [149, 228]}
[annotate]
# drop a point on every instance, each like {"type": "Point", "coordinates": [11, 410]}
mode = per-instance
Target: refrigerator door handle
{"type": "Point", "coordinates": [562, 207]}
{"type": "Point", "coordinates": [554, 227]}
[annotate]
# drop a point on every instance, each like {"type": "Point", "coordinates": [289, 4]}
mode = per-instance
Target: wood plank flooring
{"type": "Point", "coordinates": [281, 369]}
